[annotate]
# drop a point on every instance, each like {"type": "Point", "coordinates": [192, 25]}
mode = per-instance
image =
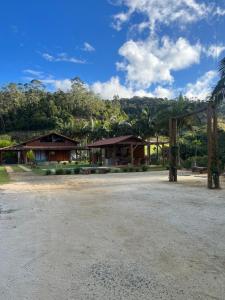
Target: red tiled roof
{"type": "Point", "coordinates": [115, 140]}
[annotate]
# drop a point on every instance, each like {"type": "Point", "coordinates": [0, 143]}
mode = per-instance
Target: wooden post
{"type": "Point", "coordinates": [114, 155]}
{"type": "Point", "coordinates": [209, 134]}
{"type": "Point", "coordinates": [213, 161]}
{"type": "Point", "coordinates": [101, 156]}
{"type": "Point", "coordinates": [131, 154]}
{"type": "Point", "coordinates": [173, 150]}
{"type": "Point", "coordinates": [216, 175]}
{"type": "Point", "coordinates": [149, 153]}
{"type": "Point", "coordinates": [163, 156]}
{"type": "Point", "coordinates": [157, 148]}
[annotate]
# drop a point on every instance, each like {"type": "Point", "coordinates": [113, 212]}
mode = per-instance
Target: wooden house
{"type": "Point", "coordinates": [49, 147]}
{"type": "Point", "coordinates": [122, 150]}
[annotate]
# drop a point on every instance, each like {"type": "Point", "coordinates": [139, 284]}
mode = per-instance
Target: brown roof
{"type": "Point", "coordinates": [117, 140]}
{"type": "Point", "coordinates": [41, 136]}
{"type": "Point", "coordinates": [22, 146]}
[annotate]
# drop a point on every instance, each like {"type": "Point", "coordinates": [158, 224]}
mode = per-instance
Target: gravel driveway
{"type": "Point", "coordinates": [115, 236]}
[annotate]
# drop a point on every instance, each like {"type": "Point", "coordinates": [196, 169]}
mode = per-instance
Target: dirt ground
{"type": "Point", "coordinates": [117, 236]}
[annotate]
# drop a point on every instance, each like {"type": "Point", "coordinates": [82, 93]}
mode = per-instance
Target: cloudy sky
{"type": "Point", "coordinates": [118, 47]}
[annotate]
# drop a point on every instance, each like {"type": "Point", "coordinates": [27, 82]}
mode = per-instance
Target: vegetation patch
{"type": "Point", "coordinates": [4, 177]}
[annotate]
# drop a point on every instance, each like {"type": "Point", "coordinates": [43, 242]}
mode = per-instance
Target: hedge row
{"type": "Point", "coordinates": [62, 171]}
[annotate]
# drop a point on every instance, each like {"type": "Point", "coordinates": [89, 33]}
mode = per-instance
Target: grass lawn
{"type": "Point", "coordinates": [16, 168]}
{"type": "Point", "coordinates": [4, 177]}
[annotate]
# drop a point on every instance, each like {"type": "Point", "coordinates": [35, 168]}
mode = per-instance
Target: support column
{"type": "Point", "coordinates": [149, 153]}
{"type": "Point", "coordinates": [213, 160]}
{"type": "Point", "coordinates": [18, 157]}
{"type": "Point", "coordinates": [173, 150]}
{"type": "Point", "coordinates": [163, 154]}
{"type": "Point", "coordinates": [0, 157]}
{"type": "Point", "coordinates": [114, 155]}
{"type": "Point", "coordinates": [131, 154]}
{"type": "Point", "coordinates": [157, 148]}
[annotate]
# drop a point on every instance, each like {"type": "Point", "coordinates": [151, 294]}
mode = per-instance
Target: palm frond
{"type": "Point", "coordinates": [222, 67]}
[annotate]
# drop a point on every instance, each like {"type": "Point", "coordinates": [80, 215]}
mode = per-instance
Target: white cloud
{"type": "Point", "coordinates": [161, 92]}
{"type": "Point", "coordinates": [30, 72]}
{"type": "Point", "coordinates": [57, 84]}
{"type": "Point", "coordinates": [62, 57]}
{"type": "Point", "coordinates": [215, 51]}
{"type": "Point", "coordinates": [151, 61]}
{"type": "Point", "coordinates": [113, 87]}
{"type": "Point", "coordinates": [88, 47]}
{"type": "Point", "coordinates": [166, 12]}
{"type": "Point", "coordinates": [219, 11]}
{"type": "Point", "coordinates": [202, 87]}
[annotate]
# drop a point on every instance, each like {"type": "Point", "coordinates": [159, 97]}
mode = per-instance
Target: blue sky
{"type": "Point", "coordinates": [124, 47]}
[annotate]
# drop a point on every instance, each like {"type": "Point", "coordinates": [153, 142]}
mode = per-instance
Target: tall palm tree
{"type": "Point", "coordinates": [218, 93]}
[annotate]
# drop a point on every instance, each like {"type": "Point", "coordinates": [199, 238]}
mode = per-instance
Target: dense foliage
{"type": "Point", "coordinates": [80, 113]}
{"type": "Point", "coordinates": [29, 109]}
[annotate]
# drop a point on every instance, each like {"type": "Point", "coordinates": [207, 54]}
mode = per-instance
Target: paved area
{"type": "Point", "coordinates": [9, 169]}
{"type": "Point", "coordinates": [114, 236]}
{"type": "Point", "coordinates": [25, 168]}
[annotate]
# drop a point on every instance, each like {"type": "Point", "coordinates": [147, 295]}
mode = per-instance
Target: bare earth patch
{"type": "Point", "coordinates": [113, 236]}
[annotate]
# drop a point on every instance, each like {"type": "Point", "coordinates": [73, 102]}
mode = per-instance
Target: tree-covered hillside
{"type": "Point", "coordinates": [29, 109]}
{"type": "Point", "coordinates": [79, 113]}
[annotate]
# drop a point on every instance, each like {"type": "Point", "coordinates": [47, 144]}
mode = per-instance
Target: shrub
{"type": "Point", "coordinates": [48, 172]}
{"type": "Point", "coordinates": [131, 169]}
{"type": "Point", "coordinates": [144, 168]}
{"type": "Point", "coordinates": [68, 171]}
{"type": "Point", "coordinates": [76, 171]}
{"type": "Point", "coordinates": [201, 161]}
{"type": "Point", "coordinates": [59, 171]}
{"type": "Point", "coordinates": [137, 169]}
{"type": "Point", "coordinates": [125, 169]}
{"type": "Point", "coordinates": [30, 156]}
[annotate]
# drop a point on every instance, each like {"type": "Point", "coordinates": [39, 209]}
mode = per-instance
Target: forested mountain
{"type": "Point", "coordinates": [27, 109]}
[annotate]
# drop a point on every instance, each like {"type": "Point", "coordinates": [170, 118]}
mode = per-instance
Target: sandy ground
{"type": "Point", "coordinates": [115, 236]}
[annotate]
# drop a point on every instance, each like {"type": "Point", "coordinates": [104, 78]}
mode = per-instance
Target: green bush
{"type": "Point", "coordinates": [144, 168]}
{"type": "Point", "coordinates": [59, 172]}
{"type": "Point", "coordinates": [30, 156]}
{"type": "Point", "coordinates": [68, 171]}
{"type": "Point", "coordinates": [125, 169]}
{"type": "Point", "coordinates": [201, 161]}
{"type": "Point", "coordinates": [48, 172]}
{"type": "Point", "coordinates": [131, 169]}
{"type": "Point", "coordinates": [76, 171]}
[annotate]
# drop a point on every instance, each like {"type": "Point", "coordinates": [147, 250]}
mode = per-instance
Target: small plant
{"type": "Point", "coordinates": [125, 169]}
{"type": "Point", "coordinates": [68, 171]}
{"type": "Point", "coordinates": [115, 170]}
{"type": "Point", "coordinates": [59, 171]}
{"type": "Point", "coordinates": [137, 169]}
{"type": "Point", "coordinates": [48, 172]}
{"type": "Point", "coordinates": [76, 171]}
{"type": "Point", "coordinates": [144, 168]}
{"type": "Point", "coordinates": [30, 156]}
{"type": "Point", "coordinates": [131, 169]}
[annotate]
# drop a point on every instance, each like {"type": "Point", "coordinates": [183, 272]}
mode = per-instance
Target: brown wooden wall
{"type": "Point", "coordinates": [59, 155]}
